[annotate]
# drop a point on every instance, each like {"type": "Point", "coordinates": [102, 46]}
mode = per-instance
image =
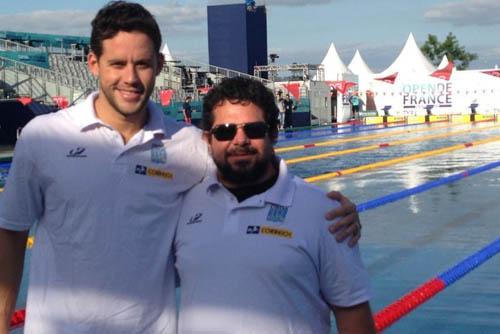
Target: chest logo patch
{"type": "Point", "coordinates": [271, 231]}
{"type": "Point", "coordinates": [277, 213]}
{"type": "Point", "coordinates": [155, 172]}
{"type": "Point", "coordinates": [158, 153]}
{"type": "Point", "coordinates": [78, 152]}
{"type": "Point", "coordinates": [196, 219]}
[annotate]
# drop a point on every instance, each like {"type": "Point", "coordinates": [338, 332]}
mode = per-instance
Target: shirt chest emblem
{"type": "Point", "coordinates": [270, 231]}
{"type": "Point", "coordinates": [277, 213]}
{"type": "Point", "coordinates": [77, 152]}
{"type": "Point", "coordinates": [195, 219]}
{"type": "Point", "coordinates": [158, 153]}
{"type": "Point", "coordinates": [154, 172]}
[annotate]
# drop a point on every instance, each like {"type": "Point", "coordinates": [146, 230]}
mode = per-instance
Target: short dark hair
{"type": "Point", "coordinates": [237, 90]}
{"type": "Point", "coordinates": [119, 16]}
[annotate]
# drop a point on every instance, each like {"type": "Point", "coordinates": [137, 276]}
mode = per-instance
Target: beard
{"type": "Point", "coordinates": [244, 172]}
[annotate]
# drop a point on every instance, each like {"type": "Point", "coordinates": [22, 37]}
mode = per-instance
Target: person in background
{"type": "Point", "coordinates": [289, 107]}
{"type": "Point", "coordinates": [187, 110]}
{"type": "Point", "coordinates": [354, 100]}
{"type": "Point", "coordinates": [257, 258]}
{"type": "Point", "coordinates": [279, 104]}
{"type": "Point", "coordinates": [103, 180]}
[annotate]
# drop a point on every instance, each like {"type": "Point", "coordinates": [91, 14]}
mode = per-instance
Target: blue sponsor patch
{"type": "Point", "coordinates": [253, 229]}
{"type": "Point", "coordinates": [277, 213]}
{"type": "Point", "coordinates": [141, 170]}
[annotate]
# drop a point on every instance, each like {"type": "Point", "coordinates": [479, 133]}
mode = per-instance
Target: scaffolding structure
{"type": "Point", "coordinates": [278, 72]}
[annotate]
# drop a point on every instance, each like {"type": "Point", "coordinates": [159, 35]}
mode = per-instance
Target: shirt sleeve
{"type": "Point", "coordinates": [21, 201]}
{"type": "Point", "coordinates": [344, 279]}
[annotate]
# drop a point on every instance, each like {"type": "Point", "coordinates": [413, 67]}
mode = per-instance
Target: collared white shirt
{"type": "Point", "coordinates": [265, 265]}
{"type": "Point", "coordinates": [106, 215]}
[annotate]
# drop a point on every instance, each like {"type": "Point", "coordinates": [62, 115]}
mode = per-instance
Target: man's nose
{"type": "Point", "coordinates": [131, 74]}
{"type": "Point", "coordinates": [241, 137]}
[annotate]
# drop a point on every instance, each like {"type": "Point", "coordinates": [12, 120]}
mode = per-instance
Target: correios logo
{"type": "Point", "coordinates": [424, 94]}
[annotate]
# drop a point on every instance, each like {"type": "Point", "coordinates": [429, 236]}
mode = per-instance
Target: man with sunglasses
{"type": "Point", "coordinates": [257, 256]}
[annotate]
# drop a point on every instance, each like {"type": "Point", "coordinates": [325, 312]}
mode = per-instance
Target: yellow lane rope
{"type": "Point", "coordinates": [384, 145]}
{"type": "Point", "coordinates": [359, 138]}
{"type": "Point", "coordinates": [389, 162]}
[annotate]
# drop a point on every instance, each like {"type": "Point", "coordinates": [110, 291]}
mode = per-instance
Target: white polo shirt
{"type": "Point", "coordinates": [265, 265]}
{"type": "Point", "coordinates": [107, 213]}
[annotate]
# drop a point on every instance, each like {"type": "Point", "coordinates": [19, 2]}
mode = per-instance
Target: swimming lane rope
{"type": "Point", "coordinates": [354, 139]}
{"type": "Point", "coordinates": [404, 305]}
{"type": "Point", "coordinates": [341, 131]}
{"type": "Point", "coordinates": [384, 145]}
{"type": "Point", "coordinates": [423, 187]}
{"type": "Point", "coordinates": [389, 162]}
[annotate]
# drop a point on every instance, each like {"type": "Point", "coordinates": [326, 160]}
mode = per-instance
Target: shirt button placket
{"type": "Point", "coordinates": [231, 217]}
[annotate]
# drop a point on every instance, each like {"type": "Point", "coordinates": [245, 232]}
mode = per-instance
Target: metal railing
{"type": "Point", "coordinates": [19, 47]}
{"type": "Point", "coordinates": [47, 74]}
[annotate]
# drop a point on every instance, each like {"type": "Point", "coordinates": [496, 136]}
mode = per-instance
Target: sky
{"type": "Point", "coordinates": [298, 31]}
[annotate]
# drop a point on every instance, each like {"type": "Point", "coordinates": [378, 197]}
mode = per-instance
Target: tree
{"type": "Point", "coordinates": [435, 51]}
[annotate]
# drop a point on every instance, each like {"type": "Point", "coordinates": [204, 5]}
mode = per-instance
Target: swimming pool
{"type": "Point", "coordinates": [408, 242]}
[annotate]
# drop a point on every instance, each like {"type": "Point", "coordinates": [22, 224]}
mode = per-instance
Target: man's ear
{"type": "Point", "coordinates": [93, 63]}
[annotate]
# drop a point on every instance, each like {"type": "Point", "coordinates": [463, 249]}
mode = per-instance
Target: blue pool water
{"type": "Point", "coordinates": [411, 241]}
{"type": "Point", "coordinates": [4, 170]}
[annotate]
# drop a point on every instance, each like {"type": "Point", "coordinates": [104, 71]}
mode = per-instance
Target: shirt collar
{"type": "Point", "coordinates": [85, 117]}
{"type": "Point", "coordinates": [281, 193]}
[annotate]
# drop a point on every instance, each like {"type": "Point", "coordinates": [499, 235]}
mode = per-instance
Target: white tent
{"type": "Point", "coordinates": [444, 62]}
{"type": "Point", "coordinates": [333, 66]}
{"type": "Point", "coordinates": [358, 65]}
{"type": "Point", "coordinates": [166, 53]}
{"type": "Point", "coordinates": [411, 85]}
{"type": "Point", "coordinates": [410, 61]}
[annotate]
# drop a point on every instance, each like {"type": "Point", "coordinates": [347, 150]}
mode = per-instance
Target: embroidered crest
{"type": "Point", "coordinates": [277, 213]}
{"type": "Point", "coordinates": [158, 153]}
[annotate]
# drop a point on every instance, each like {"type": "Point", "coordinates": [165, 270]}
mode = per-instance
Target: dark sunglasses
{"type": "Point", "coordinates": [254, 130]}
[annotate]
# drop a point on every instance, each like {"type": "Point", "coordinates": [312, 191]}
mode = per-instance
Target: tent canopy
{"type": "Point", "coordinates": [166, 52]}
{"type": "Point", "coordinates": [334, 66]}
{"type": "Point", "coordinates": [410, 61]}
{"type": "Point", "coordinates": [358, 65]}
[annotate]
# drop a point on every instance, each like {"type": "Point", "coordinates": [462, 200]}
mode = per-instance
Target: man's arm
{"type": "Point", "coordinates": [12, 249]}
{"type": "Point", "coordinates": [348, 224]}
{"type": "Point", "coordinates": [356, 319]}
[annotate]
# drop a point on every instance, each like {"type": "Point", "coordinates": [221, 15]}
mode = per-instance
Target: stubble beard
{"type": "Point", "coordinates": [114, 103]}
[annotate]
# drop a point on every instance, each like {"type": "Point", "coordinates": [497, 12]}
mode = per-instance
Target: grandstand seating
{"type": "Point", "coordinates": [64, 64]}
{"type": "Point", "coordinates": [63, 73]}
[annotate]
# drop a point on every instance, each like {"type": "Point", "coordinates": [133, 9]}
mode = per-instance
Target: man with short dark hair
{"type": "Point", "coordinates": [257, 258]}
{"type": "Point", "coordinates": [104, 180]}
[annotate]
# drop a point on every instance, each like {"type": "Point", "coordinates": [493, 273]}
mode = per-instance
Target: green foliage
{"type": "Point", "coordinates": [435, 51]}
